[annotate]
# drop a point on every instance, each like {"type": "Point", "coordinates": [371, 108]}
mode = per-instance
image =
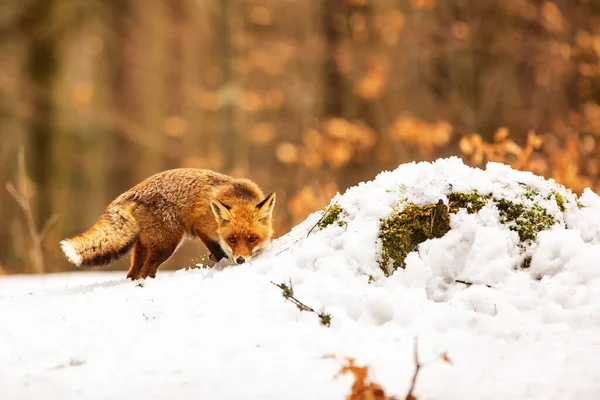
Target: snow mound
{"type": "Point", "coordinates": [514, 303]}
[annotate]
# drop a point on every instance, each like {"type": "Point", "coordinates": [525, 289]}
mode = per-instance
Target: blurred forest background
{"type": "Point", "coordinates": [306, 97]}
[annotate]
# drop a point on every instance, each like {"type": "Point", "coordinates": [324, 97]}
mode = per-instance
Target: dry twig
{"type": "Point", "coordinates": [23, 196]}
{"type": "Point", "coordinates": [320, 219]}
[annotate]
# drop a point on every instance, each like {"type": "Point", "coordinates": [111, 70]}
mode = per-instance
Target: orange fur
{"type": "Point", "coordinates": [232, 217]}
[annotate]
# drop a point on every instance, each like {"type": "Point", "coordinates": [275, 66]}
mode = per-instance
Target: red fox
{"type": "Point", "coordinates": [232, 217]}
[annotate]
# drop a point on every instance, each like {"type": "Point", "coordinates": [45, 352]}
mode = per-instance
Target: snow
{"type": "Point", "coordinates": [227, 333]}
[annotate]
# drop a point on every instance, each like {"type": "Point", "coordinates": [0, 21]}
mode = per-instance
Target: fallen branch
{"type": "Point", "coordinates": [469, 283]}
{"type": "Point", "coordinates": [288, 294]}
{"type": "Point", "coordinates": [410, 395]}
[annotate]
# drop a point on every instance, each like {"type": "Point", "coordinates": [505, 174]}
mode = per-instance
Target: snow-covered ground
{"type": "Point", "coordinates": [229, 334]}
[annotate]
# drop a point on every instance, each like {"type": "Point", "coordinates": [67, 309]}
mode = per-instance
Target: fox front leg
{"type": "Point", "coordinates": [216, 252]}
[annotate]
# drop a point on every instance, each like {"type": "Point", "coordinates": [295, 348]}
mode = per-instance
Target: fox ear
{"type": "Point", "coordinates": [265, 207]}
{"type": "Point", "coordinates": [220, 210]}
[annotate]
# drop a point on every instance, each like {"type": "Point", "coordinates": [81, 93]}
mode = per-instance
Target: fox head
{"type": "Point", "coordinates": [244, 229]}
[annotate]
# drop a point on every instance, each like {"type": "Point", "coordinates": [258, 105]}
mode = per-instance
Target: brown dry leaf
{"type": "Point", "coordinates": [337, 128]}
{"type": "Point", "coordinates": [466, 145]}
{"type": "Point", "coordinates": [477, 158]}
{"type": "Point", "coordinates": [444, 356]}
{"type": "Point", "coordinates": [509, 147]}
{"type": "Point", "coordinates": [428, 136]}
{"type": "Point", "coordinates": [361, 388]}
{"type": "Point", "coordinates": [442, 133]}
{"type": "Point", "coordinates": [372, 84]}
{"type": "Point", "coordinates": [534, 140]}
{"type": "Point", "coordinates": [552, 17]}
{"type": "Point", "coordinates": [501, 134]}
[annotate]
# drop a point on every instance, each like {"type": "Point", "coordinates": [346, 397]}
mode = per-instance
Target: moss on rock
{"type": "Point", "coordinates": [332, 214]}
{"type": "Point", "coordinates": [560, 201]}
{"type": "Point", "coordinates": [472, 201]}
{"type": "Point", "coordinates": [409, 225]}
{"type": "Point", "coordinates": [405, 229]}
{"type": "Point", "coordinates": [526, 221]}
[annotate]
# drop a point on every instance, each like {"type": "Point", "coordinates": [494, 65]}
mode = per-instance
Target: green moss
{"type": "Point", "coordinates": [560, 201]}
{"type": "Point", "coordinates": [331, 215]}
{"type": "Point", "coordinates": [527, 222]}
{"type": "Point", "coordinates": [531, 193]}
{"type": "Point", "coordinates": [409, 225]}
{"type": "Point", "coordinates": [404, 230]}
{"type": "Point", "coordinates": [473, 201]}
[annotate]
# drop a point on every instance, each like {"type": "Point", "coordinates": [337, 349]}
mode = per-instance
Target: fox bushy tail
{"type": "Point", "coordinates": [112, 236]}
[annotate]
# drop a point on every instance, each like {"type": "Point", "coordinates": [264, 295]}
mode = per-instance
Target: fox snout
{"type": "Point", "coordinates": [240, 260]}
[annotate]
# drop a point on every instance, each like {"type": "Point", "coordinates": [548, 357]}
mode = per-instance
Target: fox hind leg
{"type": "Point", "coordinates": [137, 260]}
{"type": "Point", "coordinates": [156, 256]}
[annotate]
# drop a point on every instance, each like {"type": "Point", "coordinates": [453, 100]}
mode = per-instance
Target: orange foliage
{"type": "Point", "coordinates": [564, 160]}
{"type": "Point", "coordinates": [372, 84]}
{"type": "Point", "coordinates": [428, 136]}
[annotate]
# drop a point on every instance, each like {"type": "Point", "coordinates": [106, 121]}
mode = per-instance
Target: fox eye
{"type": "Point", "coordinates": [253, 239]}
{"type": "Point", "coordinates": [231, 239]}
